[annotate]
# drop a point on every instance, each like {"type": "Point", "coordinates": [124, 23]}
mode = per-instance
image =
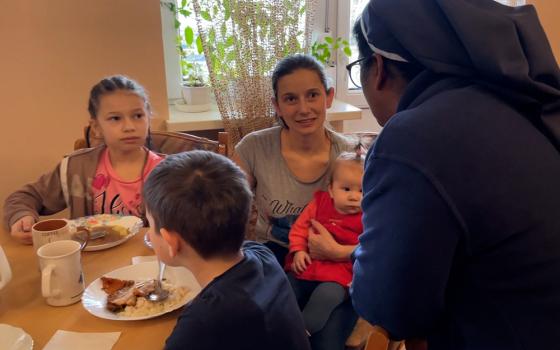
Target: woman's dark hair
{"type": "Point", "coordinates": [111, 84]}
{"type": "Point", "coordinates": [406, 70]}
{"type": "Point", "coordinates": [292, 63]}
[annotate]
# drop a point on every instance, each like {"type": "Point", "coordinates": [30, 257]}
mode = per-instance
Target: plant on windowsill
{"type": "Point", "coordinates": [195, 90]}
{"type": "Point", "coordinates": [325, 51]}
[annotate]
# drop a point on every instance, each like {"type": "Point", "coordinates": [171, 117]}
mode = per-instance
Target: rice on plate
{"type": "Point", "coordinates": [177, 296]}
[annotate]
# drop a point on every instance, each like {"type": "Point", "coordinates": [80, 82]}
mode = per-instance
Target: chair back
{"type": "Point", "coordinates": [169, 142]}
{"type": "Point", "coordinates": [379, 340]}
{"type": "Point", "coordinates": [166, 142]}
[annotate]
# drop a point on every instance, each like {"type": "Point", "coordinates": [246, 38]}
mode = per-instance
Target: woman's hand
{"type": "Point", "coordinates": [322, 245]}
{"type": "Point", "coordinates": [301, 261]}
{"type": "Point", "coordinates": [21, 229]}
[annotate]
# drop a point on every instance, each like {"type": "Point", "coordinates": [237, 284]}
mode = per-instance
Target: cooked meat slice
{"type": "Point", "coordinates": [111, 285]}
{"type": "Point", "coordinates": [127, 292]}
{"type": "Point", "coordinates": [121, 298]}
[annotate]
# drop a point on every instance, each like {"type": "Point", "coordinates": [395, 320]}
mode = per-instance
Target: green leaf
{"type": "Point", "coordinates": [230, 41]}
{"type": "Point", "coordinates": [185, 13]}
{"type": "Point", "coordinates": [345, 43]}
{"type": "Point", "coordinates": [199, 47]}
{"type": "Point", "coordinates": [177, 23]}
{"type": "Point", "coordinates": [212, 36]}
{"type": "Point", "coordinates": [169, 5]}
{"type": "Point", "coordinates": [223, 30]}
{"type": "Point", "coordinates": [329, 39]}
{"type": "Point", "coordinates": [205, 15]}
{"type": "Point", "coordinates": [183, 3]}
{"type": "Point", "coordinates": [189, 36]}
{"type": "Point", "coordinates": [230, 56]}
{"type": "Point", "coordinates": [221, 51]}
{"type": "Point", "coordinates": [347, 51]}
{"type": "Point", "coordinates": [227, 10]}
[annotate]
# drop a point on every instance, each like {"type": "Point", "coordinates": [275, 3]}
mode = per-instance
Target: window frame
{"type": "Point", "coordinates": [354, 97]}
{"type": "Point", "coordinates": [171, 59]}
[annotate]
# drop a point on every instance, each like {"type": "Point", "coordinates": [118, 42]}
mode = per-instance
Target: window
{"type": "Point", "coordinates": [222, 21]}
{"type": "Point", "coordinates": [348, 12]}
{"type": "Point", "coordinates": [344, 12]}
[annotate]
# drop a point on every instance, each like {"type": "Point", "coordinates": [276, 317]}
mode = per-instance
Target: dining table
{"type": "Point", "coordinates": [22, 305]}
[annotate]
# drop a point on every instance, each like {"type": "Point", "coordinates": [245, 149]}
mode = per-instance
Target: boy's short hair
{"type": "Point", "coordinates": [202, 196]}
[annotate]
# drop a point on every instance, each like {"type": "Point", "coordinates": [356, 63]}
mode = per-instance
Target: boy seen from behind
{"type": "Point", "coordinates": [197, 205]}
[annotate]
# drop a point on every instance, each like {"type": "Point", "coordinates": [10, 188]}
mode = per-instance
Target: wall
{"type": "Point", "coordinates": [52, 52]}
{"type": "Point", "coordinates": [548, 11]}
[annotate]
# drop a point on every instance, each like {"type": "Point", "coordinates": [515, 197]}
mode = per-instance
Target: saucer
{"type": "Point", "coordinates": [14, 338]}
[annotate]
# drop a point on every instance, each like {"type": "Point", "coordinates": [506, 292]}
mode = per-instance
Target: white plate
{"type": "Point", "coordinates": [132, 223]}
{"type": "Point", "coordinates": [13, 338]}
{"type": "Point", "coordinates": [94, 298]}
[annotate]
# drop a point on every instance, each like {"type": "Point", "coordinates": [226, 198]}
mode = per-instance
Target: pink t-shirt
{"type": "Point", "coordinates": [111, 195]}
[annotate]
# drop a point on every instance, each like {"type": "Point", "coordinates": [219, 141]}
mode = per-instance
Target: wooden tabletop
{"type": "Point", "coordinates": [22, 305]}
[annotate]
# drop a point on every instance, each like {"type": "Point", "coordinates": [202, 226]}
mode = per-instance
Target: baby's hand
{"type": "Point", "coordinates": [301, 261]}
{"type": "Point", "coordinates": [21, 229]}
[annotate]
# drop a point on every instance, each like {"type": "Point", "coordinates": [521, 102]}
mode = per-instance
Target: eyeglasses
{"type": "Point", "coordinates": [354, 71]}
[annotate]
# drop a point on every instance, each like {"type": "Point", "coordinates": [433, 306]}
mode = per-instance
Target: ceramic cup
{"type": "Point", "coordinates": [5, 271]}
{"type": "Point", "coordinates": [52, 230]}
{"type": "Point", "coordinates": [62, 279]}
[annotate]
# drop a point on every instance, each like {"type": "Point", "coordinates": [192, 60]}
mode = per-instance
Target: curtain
{"type": "Point", "coordinates": [242, 41]}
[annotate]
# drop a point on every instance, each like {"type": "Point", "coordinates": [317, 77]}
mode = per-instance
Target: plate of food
{"type": "Point", "coordinates": [107, 230]}
{"type": "Point", "coordinates": [122, 294]}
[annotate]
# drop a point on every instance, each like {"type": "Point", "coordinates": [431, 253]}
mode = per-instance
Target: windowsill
{"type": "Point", "coordinates": [210, 120]}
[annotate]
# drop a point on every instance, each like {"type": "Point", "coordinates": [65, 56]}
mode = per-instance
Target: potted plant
{"type": "Point", "coordinates": [195, 90]}
{"type": "Point", "coordinates": [325, 50]}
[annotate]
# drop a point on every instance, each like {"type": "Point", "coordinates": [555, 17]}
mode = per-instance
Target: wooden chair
{"type": "Point", "coordinates": [378, 340]}
{"type": "Point", "coordinates": [166, 142]}
{"type": "Point", "coordinates": [368, 337]}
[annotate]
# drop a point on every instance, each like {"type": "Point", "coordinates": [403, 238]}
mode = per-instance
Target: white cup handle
{"type": "Point", "coordinates": [46, 282]}
{"type": "Point", "coordinates": [5, 271]}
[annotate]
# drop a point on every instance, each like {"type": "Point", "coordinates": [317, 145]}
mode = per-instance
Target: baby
{"type": "Point", "coordinates": [321, 285]}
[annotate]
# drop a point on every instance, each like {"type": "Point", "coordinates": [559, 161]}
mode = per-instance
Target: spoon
{"type": "Point", "coordinates": [147, 241]}
{"type": "Point", "coordinates": [159, 293]}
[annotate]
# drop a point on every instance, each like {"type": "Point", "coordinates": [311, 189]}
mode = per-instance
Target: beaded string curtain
{"type": "Point", "coordinates": [242, 41]}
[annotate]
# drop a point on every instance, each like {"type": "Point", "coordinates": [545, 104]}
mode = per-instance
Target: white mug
{"type": "Point", "coordinates": [5, 271]}
{"type": "Point", "coordinates": [62, 279]}
{"type": "Point", "coordinates": [52, 230]}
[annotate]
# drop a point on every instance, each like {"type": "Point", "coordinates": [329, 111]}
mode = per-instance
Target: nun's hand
{"type": "Point", "coordinates": [322, 245]}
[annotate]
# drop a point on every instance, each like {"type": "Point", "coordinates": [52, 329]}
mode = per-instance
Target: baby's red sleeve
{"type": "Point", "coordinates": [300, 228]}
